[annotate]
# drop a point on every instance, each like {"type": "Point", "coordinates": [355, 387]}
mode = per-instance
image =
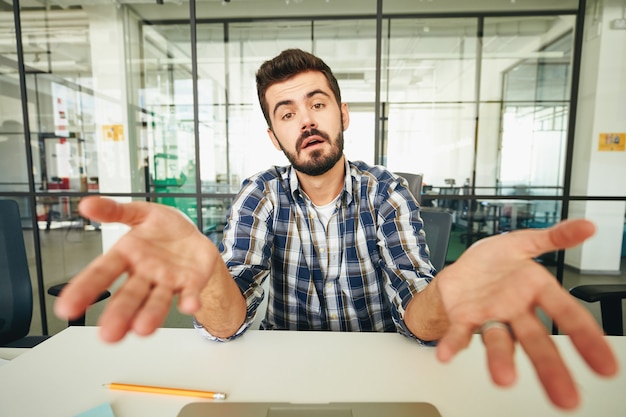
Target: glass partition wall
{"type": "Point", "coordinates": [144, 101]}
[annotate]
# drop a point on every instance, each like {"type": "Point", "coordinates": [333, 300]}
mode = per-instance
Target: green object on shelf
{"type": "Point", "coordinates": [169, 178]}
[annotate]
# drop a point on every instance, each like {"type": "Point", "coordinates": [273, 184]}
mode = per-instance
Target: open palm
{"type": "Point", "coordinates": [497, 280]}
{"type": "Point", "coordinates": [163, 255]}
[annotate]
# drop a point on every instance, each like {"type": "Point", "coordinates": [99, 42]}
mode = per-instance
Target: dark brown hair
{"type": "Point", "coordinates": [288, 64]}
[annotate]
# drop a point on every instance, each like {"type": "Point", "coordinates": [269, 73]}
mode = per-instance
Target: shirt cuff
{"type": "Point", "coordinates": [403, 329]}
{"type": "Point", "coordinates": [205, 333]}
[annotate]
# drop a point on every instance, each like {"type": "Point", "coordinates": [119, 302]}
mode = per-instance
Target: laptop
{"type": "Point", "coordinates": [270, 409]}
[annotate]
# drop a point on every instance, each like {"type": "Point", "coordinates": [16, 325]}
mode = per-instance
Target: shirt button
{"type": "Point", "coordinates": [333, 316]}
{"type": "Point", "coordinates": [329, 285]}
{"type": "Point", "coordinates": [322, 250]}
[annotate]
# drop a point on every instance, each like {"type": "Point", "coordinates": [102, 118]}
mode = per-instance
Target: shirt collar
{"type": "Point", "coordinates": [349, 184]}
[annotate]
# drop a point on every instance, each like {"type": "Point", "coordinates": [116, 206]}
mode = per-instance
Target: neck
{"type": "Point", "coordinates": [322, 189]}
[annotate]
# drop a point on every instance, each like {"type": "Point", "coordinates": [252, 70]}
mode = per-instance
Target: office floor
{"type": "Point", "coordinates": [66, 251]}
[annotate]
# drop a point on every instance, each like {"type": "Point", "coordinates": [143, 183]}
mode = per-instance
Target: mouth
{"type": "Point", "coordinates": [311, 142]}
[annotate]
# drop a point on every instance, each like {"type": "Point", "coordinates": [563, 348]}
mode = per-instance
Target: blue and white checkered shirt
{"type": "Point", "coordinates": [358, 273]}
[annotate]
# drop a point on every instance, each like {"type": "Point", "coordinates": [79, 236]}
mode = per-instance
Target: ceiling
{"type": "Point", "coordinates": [57, 38]}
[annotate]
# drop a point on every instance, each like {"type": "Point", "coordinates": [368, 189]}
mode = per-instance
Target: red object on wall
{"type": "Point", "coordinates": [63, 184]}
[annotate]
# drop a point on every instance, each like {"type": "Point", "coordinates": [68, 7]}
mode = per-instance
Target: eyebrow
{"type": "Point", "coordinates": [308, 95]}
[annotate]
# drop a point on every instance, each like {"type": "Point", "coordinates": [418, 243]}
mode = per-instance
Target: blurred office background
{"type": "Point", "coordinates": [512, 112]}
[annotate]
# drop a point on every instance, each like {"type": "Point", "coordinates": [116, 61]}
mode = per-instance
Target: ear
{"type": "Point", "coordinates": [345, 116]}
{"type": "Point", "coordinates": [272, 136]}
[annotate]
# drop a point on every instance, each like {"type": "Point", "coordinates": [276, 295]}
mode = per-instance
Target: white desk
{"type": "Point", "coordinates": [12, 353]}
{"type": "Point", "coordinates": [64, 375]}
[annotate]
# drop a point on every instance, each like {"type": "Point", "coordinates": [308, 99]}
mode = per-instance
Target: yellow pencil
{"type": "Point", "coordinates": [164, 390]}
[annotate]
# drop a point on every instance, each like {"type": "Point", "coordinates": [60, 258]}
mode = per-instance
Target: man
{"type": "Point", "coordinates": [343, 248]}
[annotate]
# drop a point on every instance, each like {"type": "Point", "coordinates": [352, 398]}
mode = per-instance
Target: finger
{"type": "Point", "coordinates": [500, 348]}
{"type": "Point", "coordinates": [575, 321]}
{"type": "Point", "coordinates": [88, 284]}
{"type": "Point", "coordinates": [563, 235]}
{"type": "Point", "coordinates": [110, 211]}
{"type": "Point", "coordinates": [118, 316]}
{"type": "Point", "coordinates": [189, 300]}
{"type": "Point", "coordinates": [456, 339]}
{"type": "Point", "coordinates": [163, 286]}
{"type": "Point", "coordinates": [187, 281]}
{"type": "Point", "coordinates": [153, 311]}
{"type": "Point", "coordinates": [549, 366]}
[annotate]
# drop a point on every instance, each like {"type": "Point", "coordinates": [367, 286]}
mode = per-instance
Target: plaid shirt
{"type": "Point", "coordinates": [357, 274]}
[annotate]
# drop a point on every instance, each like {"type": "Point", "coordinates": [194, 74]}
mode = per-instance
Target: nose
{"type": "Point", "coordinates": [308, 120]}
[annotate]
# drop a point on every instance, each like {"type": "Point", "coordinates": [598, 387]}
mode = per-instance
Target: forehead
{"type": "Point", "coordinates": [297, 87]}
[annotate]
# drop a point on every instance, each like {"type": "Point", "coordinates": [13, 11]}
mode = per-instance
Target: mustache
{"type": "Point", "coordinates": [311, 132]}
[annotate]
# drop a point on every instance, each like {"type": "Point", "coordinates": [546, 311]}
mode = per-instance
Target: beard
{"type": "Point", "coordinates": [319, 162]}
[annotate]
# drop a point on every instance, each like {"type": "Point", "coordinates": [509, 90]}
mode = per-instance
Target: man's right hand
{"type": "Point", "coordinates": [163, 255]}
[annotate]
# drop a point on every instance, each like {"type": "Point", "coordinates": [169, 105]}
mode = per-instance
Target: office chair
{"type": "Point", "coordinates": [610, 297]}
{"type": "Point", "coordinates": [449, 204]}
{"type": "Point", "coordinates": [415, 184]}
{"type": "Point", "coordinates": [437, 226]}
{"type": "Point", "coordinates": [55, 291]}
{"type": "Point", "coordinates": [16, 293]}
{"type": "Point", "coordinates": [478, 215]}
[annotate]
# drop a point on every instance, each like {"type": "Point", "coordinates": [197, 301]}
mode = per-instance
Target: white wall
{"type": "Point", "coordinates": [109, 76]}
{"type": "Point", "coordinates": [601, 109]}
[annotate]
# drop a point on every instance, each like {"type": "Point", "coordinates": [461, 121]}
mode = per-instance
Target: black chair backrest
{"type": "Point", "coordinates": [16, 294]}
{"type": "Point", "coordinates": [437, 226]}
{"type": "Point", "coordinates": [415, 184]}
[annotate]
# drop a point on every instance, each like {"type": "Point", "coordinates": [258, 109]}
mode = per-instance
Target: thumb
{"type": "Point", "coordinates": [534, 242]}
{"type": "Point", "coordinates": [567, 234]}
{"type": "Point", "coordinates": [110, 211]}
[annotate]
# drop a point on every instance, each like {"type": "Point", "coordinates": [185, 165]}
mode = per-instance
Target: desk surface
{"type": "Point", "coordinates": [64, 375]}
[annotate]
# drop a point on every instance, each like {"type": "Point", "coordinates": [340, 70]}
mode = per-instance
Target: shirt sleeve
{"type": "Point", "coordinates": [404, 253]}
{"type": "Point", "coordinates": [246, 248]}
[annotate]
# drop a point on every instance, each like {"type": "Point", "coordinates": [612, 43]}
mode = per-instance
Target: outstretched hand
{"type": "Point", "coordinates": [163, 255]}
{"type": "Point", "coordinates": [497, 279]}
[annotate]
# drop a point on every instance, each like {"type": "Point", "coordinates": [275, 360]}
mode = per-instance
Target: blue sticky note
{"type": "Point", "coordinates": [103, 410]}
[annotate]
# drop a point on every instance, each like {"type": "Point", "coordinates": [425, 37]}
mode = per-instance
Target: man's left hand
{"type": "Point", "coordinates": [497, 280]}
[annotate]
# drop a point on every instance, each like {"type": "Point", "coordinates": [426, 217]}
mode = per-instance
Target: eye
{"type": "Point", "coordinates": [318, 106]}
{"type": "Point", "coordinates": [287, 116]}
